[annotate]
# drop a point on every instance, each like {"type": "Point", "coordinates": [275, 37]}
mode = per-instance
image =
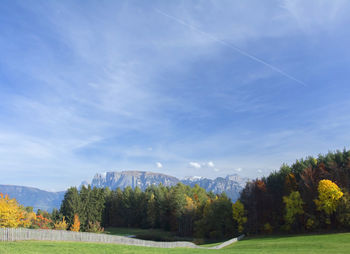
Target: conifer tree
{"type": "Point", "coordinates": [70, 204]}
{"type": "Point", "coordinates": [151, 211]}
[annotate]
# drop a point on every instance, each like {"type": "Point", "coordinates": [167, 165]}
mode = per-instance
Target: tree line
{"type": "Point", "coordinates": [187, 211]}
{"type": "Point", "coordinates": [13, 215]}
{"type": "Point", "coordinates": [310, 195]}
{"type": "Point", "coordinates": [184, 210]}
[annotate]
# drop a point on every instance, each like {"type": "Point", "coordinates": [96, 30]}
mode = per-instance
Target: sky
{"type": "Point", "coordinates": [186, 88]}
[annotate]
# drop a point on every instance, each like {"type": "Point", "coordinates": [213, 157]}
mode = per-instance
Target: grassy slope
{"type": "Point", "coordinates": [327, 243]}
{"type": "Point", "coordinates": [331, 243]}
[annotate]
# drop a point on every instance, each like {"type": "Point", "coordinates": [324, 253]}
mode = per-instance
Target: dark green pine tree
{"type": "Point", "coordinates": [92, 205]}
{"type": "Point", "coordinates": [84, 195]}
{"type": "Point", "coordinates": [116, 218]}
{"type": "Point", "coordinates": [138, 207]}
{"type": "Point", "coordinates": [70, 205]}
{"type": "Point", "coordinates": [151, 211]}
{"type": "Point", "coordinates": [107, 207]}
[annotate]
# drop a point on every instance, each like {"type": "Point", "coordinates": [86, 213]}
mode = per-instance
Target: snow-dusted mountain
{"type": "Point", "coordinates": [231, 184]}
{"type": "Point", "coordinates": [141, 179]}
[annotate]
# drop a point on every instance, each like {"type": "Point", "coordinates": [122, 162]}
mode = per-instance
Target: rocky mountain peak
{"type": "Point", "coordinates": [231, 184]}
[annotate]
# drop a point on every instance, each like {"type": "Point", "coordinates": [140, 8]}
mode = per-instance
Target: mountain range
{"type": "Point", "coordinates": [39, 199]}
{"type": "Point", "coordinates": [231, 184]}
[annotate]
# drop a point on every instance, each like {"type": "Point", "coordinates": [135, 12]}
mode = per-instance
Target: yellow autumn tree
{"type": "Point", "coordinates": [329, 195]}
{"type": "Point", "coordinates": [61, 225]}
{"type": "Point", "coordinates": [76, 225]}
{"type": "Point", "coordinates": [294, 206]}
{"type": "Point", "coordinates": [11, 215]}
{"type": "Point", "coordinates": [190, 204]}
{"type": "Point", "coordinates": [26, 221]}
{"type": "Point", "coordinates": [238, 215]}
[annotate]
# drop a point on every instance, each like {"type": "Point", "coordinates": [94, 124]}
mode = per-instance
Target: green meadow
{"type": "Point", "coordinates": [327, 243]}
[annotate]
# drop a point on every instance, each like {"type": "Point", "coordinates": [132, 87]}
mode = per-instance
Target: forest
{"type": "Point", "coordinates": [311, 195]}
{"type": "Point", "coordinates": [181, 209]}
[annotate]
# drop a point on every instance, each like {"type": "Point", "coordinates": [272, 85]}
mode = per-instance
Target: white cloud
{"type": "Point", "coordinates": [216, 169]}
{"type": "Point", "coordinates": [259, 171]}
{"type": "Point", "coordinates": [211, 164]}
{"type": "Point", "coordinates": [238, 169]}
{"type": "Point", "coordinates": [159, 165]}
{"type": "Point", "coordinates": [195, 164]}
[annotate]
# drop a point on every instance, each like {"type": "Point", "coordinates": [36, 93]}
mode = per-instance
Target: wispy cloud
{"type": "Point", "coordinates": [120, 86]}
{"type": "Point", "coordinates": [234, 48]}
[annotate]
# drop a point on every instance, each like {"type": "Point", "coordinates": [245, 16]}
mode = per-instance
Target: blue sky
{"type": "Point", "coordinates": [205, 88]}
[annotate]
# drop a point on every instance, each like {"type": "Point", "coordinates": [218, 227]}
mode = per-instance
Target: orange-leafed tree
{"type": "Point", "coordinates": [27, 218]}
{"type": "Point", "coordinates": [11, 214]}
{"type": "Point", "coordinates": [39, 221]}
{"type": "Point", "coordinates": [76, 224]}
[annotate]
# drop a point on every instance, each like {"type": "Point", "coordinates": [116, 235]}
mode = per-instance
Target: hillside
{"type": "Point", "coordinates": [38, 199]}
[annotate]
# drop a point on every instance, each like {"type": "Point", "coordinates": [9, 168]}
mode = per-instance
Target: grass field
{"type": "Point", "coordinates": [330, 243]}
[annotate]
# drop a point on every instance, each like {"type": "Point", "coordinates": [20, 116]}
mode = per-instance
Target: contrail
{"type": "Point", "coordinates": [231, 46]}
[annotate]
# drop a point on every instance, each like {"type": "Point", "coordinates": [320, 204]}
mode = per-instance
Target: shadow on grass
{"type": "Point", "coordinates": [160, 236]}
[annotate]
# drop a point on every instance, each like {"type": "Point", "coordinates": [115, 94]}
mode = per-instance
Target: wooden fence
{"type": "Point", "coordinates": [22, 234]}
{"type": "Point", "coordinates": [227, 243]}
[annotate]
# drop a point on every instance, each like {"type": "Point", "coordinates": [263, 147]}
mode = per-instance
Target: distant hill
{"type": "Point", "coordinates": [38, 199]}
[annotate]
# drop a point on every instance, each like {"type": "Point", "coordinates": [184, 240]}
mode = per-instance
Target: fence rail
{"type": "Point", "coordinates": [22, 234]}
